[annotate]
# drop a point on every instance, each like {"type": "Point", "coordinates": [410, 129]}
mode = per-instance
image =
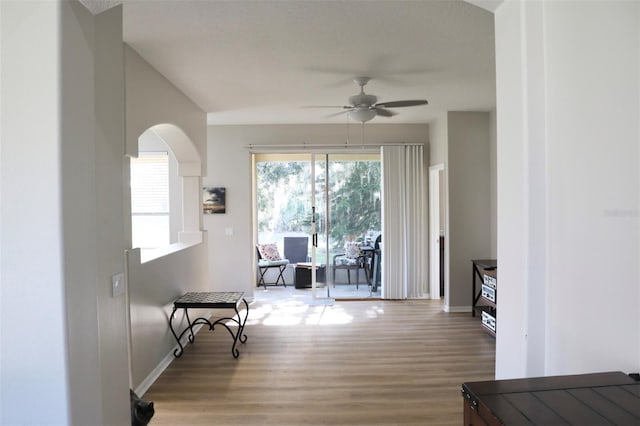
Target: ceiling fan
{"type": "Point", "coordinates": [363, 107]}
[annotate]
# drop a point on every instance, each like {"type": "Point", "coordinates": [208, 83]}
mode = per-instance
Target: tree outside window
{"type": "Point", "coordinates": [284, 200]}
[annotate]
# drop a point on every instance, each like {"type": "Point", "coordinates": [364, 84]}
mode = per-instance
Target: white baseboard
{"type": "Point", "coordinates": [454, 309]}
{"type": "Point", "coordinates": [166, 361]}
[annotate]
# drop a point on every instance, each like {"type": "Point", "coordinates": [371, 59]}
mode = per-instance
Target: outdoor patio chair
{"type": "Point", "coordinates": [296, 249]}
{"type": "Point", "coordinates": [352, 258]}
{"type": "Point", "coordinates": [269, 257]}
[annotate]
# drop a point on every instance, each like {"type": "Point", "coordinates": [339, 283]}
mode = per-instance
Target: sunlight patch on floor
{"type": "Point", "coordinates": [374, 312]}
{"type": "Point", "coordinates": [329, 315]}
{"type": "Point", "coordinates": [294, 312]}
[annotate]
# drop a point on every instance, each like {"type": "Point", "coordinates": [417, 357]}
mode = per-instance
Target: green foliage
{"type": "Point", "coordinates": [280, 192]}
{"type": "Point", "coordinates": [355, 203]}
{"type": "Point", "coordinates": [283, 196]}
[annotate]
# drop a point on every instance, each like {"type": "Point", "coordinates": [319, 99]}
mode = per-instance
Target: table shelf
{"type": "Point", "coordinates": [485, 297]}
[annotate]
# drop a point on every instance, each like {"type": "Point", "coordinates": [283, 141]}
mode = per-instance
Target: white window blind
{"type": "Point", "coordinates": [150, 200]}
{"type": "Point", "coordinates": [150, 183]}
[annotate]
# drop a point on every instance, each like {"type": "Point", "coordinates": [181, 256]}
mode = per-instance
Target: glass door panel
{"type": "Point", "coordinates": [354, 221]}
{"type": "Point", "coordinates": [284, 209]}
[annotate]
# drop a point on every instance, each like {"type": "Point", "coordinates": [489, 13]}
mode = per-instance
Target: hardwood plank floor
{"type": "Point", "coordinates": [353, 363]}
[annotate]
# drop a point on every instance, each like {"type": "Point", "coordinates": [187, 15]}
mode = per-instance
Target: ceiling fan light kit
{"type": "Point", "coordinates": [364, 107]}
{"type": "Point", "coordinates": [362, 114]}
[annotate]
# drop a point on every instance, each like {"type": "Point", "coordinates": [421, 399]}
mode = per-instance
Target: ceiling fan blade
{"type": "Point", "coordinates": [398, 104]}
{"type": "Point", "coordinates": [326, 106]}
{"type": "Point", "coordinates": [385, 112]}
{"type": "Point", "coordinates": [339, 113]}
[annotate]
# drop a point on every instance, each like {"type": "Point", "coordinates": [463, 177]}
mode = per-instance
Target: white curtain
{"type": "Point", "coordinates": [404, 224]}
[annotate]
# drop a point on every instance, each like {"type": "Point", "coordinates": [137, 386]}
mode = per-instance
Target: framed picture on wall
{"type": "Point", "coordinates": [214, 200]}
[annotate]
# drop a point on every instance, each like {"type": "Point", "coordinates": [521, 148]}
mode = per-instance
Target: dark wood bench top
{"type": "Point", "coordinates": [585, 399]}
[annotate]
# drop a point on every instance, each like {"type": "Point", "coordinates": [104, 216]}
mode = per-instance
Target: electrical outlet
{"type": "Point", "coordinates": [117, 284]}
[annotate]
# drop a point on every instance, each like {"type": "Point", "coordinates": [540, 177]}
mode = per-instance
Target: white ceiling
{"type": "Point", "coordinates": [254, 62]}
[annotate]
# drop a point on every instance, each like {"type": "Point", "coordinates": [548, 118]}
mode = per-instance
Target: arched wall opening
{"type": "Point", "coordinates": [184, 176]}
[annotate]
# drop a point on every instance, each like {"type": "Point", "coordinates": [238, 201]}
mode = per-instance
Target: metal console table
{"type": "Point", "coordinates": [211, 300]}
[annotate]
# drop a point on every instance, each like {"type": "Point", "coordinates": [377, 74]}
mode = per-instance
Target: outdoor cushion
{"type": "Point", "coordinates": [267, 263]}
{"type": "Point", "coordinates": [346, 261]}
{"type": "Point", "coordinates": [352, 249]}
{"type": "Point", "coordinates": [269, 251]}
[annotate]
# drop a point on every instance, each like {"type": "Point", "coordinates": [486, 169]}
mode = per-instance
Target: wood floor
{"type": "Point", "coordinates": [353, 363]}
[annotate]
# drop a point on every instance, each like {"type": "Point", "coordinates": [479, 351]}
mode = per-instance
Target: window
{"type": "Point", "coordinates": [150, 227]}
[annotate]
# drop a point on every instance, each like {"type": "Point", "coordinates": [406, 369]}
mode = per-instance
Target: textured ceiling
{"type": "Point", "coordinates": [248, 62]}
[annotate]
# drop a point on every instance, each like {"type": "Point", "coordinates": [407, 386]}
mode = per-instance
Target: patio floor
{"type": "Point", "coordinates": [340, 291]}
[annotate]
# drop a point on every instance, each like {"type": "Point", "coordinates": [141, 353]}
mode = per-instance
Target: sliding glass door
{"type": "Point", "coordinates": [330, 202]}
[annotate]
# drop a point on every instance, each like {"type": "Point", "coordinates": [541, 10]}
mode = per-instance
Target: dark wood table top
{"type": "Point", "coordinates": [586, 399]}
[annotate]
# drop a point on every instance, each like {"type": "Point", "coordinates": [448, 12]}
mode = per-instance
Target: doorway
{"type": "Point", "coordinates": [332, 203]}
{"type": "Point", "coordinates": [437, 207]}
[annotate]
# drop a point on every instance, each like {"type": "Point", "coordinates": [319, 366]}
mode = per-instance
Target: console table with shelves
{"type": "Point", "coordinates": [485, 297]}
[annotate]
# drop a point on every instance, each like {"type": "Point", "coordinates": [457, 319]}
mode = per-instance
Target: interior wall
{"type": "Point", "coordinates": [30, 83]}
{"type": "Point", "coordinates": [438, 140]}
{"type": "Point", "coordinates": [511, 347]}
{"type": "Point", "coordinates": [493, 182]}
{"type": "Point", "coordinates": [108, 221]}
{"type": "Point", "coordinates": [64, 66]}
{"type": "Point", "coordinates": [152, 99]}
{"type": "Point", "coordinates": [568, 187]}
{"type": "Point", "coordinates": [438, 154]}
{"type": "Point", "coordinates": [469, 202]}
{"type": "Point", "coordinates": [595, 168]}
{"type": "Point", "coordinates": [154, 285]}
{"type": "Point", "coordinates": [231, 250]}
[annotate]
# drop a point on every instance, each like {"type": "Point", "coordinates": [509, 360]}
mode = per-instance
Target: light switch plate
{"type": "Point", "coordinates": [117, 284]}
{"type": "Point", "coordinates": [228, 231]}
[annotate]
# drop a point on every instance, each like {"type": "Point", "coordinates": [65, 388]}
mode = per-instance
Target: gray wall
{"type": "Point", "coordinates": [568, 187]}
{"type": "Point", "coordinates": [493, 182]}
{"type": "Point", "coordinates": [154, 285]}
{"type": "Point", "coordinates": [231, 257]}
{"type": "Point", "coordinates": [438, 138]}
{"type": "Point", "coordinates": [62, 74]}
{"type": "Point", "coordinates": [469, 183]}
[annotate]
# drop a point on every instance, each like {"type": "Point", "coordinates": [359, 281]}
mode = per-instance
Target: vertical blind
{"type": "Point", "coordinates": [404, 231]}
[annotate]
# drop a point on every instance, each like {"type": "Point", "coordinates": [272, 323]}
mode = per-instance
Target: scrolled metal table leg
{"type": "Point", "coordinates": [239, 335]}
{"type": "Point", "coordinates": [234, 336]}
{"type": "Point", "coordinates": [241, 323]}
{"type": "Point", "coordinates": [192, 336]}
{"type": "Point", "coordinates": [177, 352]}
